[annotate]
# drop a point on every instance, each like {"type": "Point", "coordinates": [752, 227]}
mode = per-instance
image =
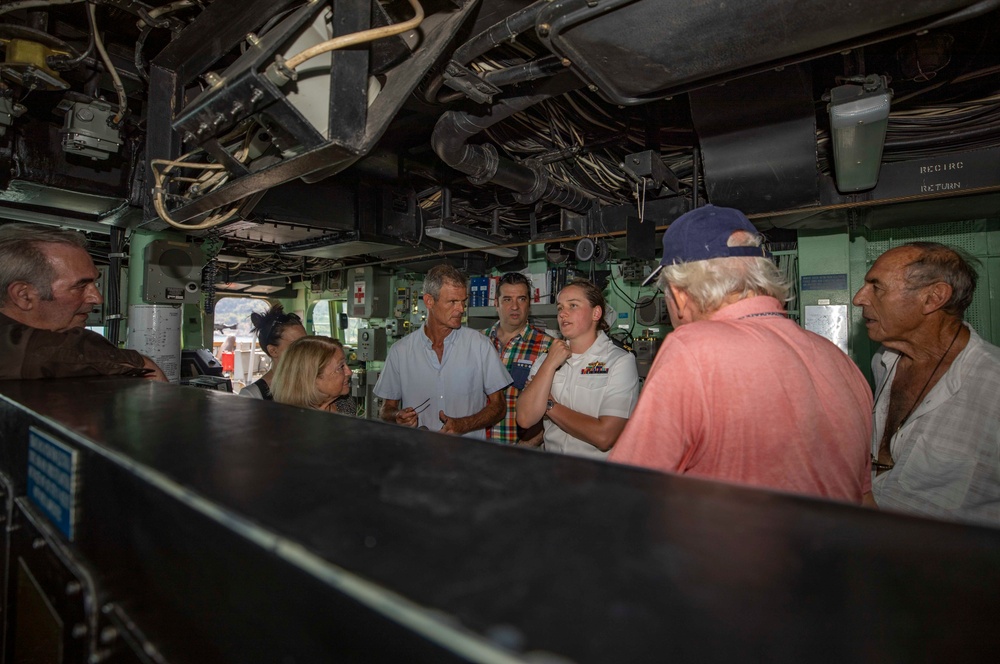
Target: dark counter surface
{"type": "Point", "coordinates": [483, 545]}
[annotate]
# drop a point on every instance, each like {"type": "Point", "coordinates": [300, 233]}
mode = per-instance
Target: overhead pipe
{"type": "Point", "coordinates": [483, 163]}
{"type": "Point", "coordinates": [529, 71]}
{"type": "Point", "coordinates": [505, 30]}
{"type": "Point", "coordinates": [532, 70]}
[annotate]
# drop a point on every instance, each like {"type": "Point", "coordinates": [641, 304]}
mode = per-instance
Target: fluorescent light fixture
{"type": "Point", "coordinates": [263, 289]}
{"type": "Point", "coordinates": [231, 286]}
{"type": "Point", "coordinates": [466, 237]}
{"type": "Point", "coordinates": [859, 115]}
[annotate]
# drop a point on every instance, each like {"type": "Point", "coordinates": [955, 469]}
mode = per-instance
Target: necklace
{"type": "Point", "coordinates": [885, 381]}
{"type": "Point", "coordinates": [880, 467]}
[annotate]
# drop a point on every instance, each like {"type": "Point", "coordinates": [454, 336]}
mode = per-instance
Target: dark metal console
{"type": "Point", "coordinates": [211, 528]}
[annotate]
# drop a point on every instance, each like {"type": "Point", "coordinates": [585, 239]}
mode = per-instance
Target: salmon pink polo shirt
{"type": "Point", "coordinates": [750, 397]}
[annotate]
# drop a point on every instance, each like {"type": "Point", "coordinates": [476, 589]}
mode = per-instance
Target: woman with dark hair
{"type": "Point", "coordinates": [275, 331]}
{"type": "Point", "coordinates": [585, 387]}
{"type": "Point", "coordinates": [314, 374]}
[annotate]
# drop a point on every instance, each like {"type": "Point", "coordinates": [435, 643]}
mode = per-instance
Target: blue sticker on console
{"type": "Point", "coordinates": [53, 479]}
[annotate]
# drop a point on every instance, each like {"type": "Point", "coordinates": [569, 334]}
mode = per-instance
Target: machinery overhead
{"type": "Point", "coordinates": [275, 193]}
{"type": "Point", "coordinates": [303, 137]}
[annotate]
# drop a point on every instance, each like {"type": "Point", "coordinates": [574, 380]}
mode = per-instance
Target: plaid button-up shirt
{"type": "Point", "coordinates": [518, 356]}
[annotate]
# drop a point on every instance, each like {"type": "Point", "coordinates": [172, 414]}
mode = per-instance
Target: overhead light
{"type": "Point", "coordinates": [859, 115]}
{"type": "Point", "coordinates": [232, 286]}
{"type": "Point", "coordinates": [263, 289]}
{"type": "Point", "coordinates": [466, 237]}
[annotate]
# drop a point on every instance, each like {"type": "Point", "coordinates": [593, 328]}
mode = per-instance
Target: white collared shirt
{"type": "Point", "coordinates": [469, 370]}
{"type": "Point", "coordinates": [947, 453]}
{"type": "Point", "coordinates": [602, 380]}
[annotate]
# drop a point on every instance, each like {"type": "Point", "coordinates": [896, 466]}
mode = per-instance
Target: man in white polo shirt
{"type": "Point", "coordinates": [444, 377]}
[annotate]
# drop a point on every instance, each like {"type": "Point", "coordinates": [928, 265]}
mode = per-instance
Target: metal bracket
{"type": "Point", "coordinates": [648, 168]}
{"type": "Point", "coordinates": [462, 79]}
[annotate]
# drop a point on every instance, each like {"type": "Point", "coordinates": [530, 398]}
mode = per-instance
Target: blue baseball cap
{"type": "Point", "coordinates": [702, 234]}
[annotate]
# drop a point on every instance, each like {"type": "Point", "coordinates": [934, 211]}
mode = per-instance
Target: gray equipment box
{"type": "Point", "coordinates": [369, 296]}
{"type": "Point", "coordinates": [97, 315]}
{"type": "Point", "coordinates": [173, 273]}
{"type": "Point", "coordinates": [371, 344]}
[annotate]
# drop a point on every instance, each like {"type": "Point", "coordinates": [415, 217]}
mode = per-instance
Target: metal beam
{"type": "Point", "coordinates": [398, 86]}
{"type": "Point", "coordinates": [216, 31]}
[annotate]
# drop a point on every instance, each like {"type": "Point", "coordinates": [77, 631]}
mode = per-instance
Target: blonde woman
{"type": "Point", "coordinates": [313, 373]}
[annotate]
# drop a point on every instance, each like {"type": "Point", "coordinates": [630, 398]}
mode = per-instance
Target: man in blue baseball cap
{"type": "Point", "coordinates": [738, 392]}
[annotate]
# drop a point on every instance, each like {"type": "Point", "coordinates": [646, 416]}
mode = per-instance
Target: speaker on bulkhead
{"type": "Point", "coordinates": [651, 310]}
{"type": "Point", "coordinates": [173, 273]}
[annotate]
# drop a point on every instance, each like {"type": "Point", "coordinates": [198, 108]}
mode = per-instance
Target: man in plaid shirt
{"type": "Point", "coordinates": [519, 345]}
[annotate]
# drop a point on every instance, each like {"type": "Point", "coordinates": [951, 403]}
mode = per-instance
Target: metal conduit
{"type": "Point", "coordinates": [505, 30]}
{"type": "Point", "coordinates": [483, 163]}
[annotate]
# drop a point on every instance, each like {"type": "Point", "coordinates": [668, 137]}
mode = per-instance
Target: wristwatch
{"type": "Point", "coordinates": [549, 404]}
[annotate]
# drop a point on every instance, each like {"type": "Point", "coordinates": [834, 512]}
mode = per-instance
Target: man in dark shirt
{"type": "Point", "coordinates": [47, 289]}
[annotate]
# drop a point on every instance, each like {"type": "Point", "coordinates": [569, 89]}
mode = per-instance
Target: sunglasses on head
{"type": "Point", "coordinates": [266, 334]}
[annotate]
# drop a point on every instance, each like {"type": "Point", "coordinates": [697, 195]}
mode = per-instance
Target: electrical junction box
{"type": "Point", "coordinates": [419, 314]}
{"type": "Point", "coordinates": [96, 316]}
{"type": "Point", "coordinates": [173, 273]}
{"type": "Point", "coordinates": [418, 309]}
{"type": "Point", "coordinates": [87, 131]}
{"type": "Point", "coordinates": [372, 402]}
{"type": "Point", "coordinates": [358, 384]}
{"type": "Point", "coordinates": [633, 272]}
{"type": "Point", "coordinates": [397, 328]}
{"type": "Point", "coordinates": [372, 344]}
{"type": "Point", "coordinates": [369, 296]}
{"type": "Point", "coordinates": [335, 282]}
{"type": "Point", "coordinates": [645, 352]}
{"type": "Point", "coordinates": [401, 309]}
{"type": "Point", "coordinates": [317, 283]}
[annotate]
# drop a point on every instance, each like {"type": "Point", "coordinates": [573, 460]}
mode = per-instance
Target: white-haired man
{"type": "Point", "coordinates": [738, 392]}
{"type": "Point", "coordinates": [47, 289]}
